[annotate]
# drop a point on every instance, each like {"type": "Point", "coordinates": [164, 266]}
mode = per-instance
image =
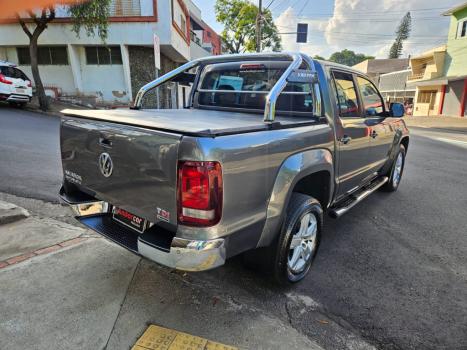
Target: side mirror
{"type": "Point", "coordinates": [397, 110]}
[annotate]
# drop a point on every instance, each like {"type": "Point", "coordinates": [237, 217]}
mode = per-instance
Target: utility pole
{"type": "Point", "coordinates": [259, 20]}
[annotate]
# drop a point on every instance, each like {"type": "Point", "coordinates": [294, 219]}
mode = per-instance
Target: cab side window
{"type": "Point", "coordinates": [346, 95]}
{"type": "Point", "coordinates": [373, 104]}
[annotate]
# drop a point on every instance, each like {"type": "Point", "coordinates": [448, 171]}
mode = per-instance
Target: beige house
{"type": "Point", "coordinates": [428, 79]}
{"type": "Point", "coordinates": [374, 68]}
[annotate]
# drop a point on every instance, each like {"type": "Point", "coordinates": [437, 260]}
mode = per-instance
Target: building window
{"type": "Point", "coordinates": [125, 8]}
{"type": "Point", "coordinates": [46, 55]}
{"type": "Point", "coordinates": [426, 96]}
{"type": "Point", "coordinates": [462, 29]}
{"type": "Point", "coordinates": [183, 22]}
{"type": "Point", "coordinates": [103, 55]}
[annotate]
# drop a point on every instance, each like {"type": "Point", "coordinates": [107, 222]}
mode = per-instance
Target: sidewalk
{"type": "Point", "coordinates": [63, 287]}
{"type": "Point", "coordinates": [457, 124]}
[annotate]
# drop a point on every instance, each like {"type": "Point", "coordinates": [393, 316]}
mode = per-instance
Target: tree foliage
{"type": "Point", "coordinates": [402, 33]}
{"type": "Point", "coordinates": [239, 20]}
{"type": "Point", "coordinates": [91, 15]}
{"type": "Point", "coordinates": [348, 57]}
{"type": "Point", "coordinates": [318, 57]}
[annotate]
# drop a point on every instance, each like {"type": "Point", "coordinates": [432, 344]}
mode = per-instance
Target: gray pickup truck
{"type": "Point", "coordinates": [265, 146]}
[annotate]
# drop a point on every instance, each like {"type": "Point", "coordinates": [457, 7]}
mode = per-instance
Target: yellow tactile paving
{"type": "Point", "coordinates": [160, 338]}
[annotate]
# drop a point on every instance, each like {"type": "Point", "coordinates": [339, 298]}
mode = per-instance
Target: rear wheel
{"type": "Point", "coordinates": [396, 171]}
{"type": "Point", "coordinates": [18, 104]}
{"type": "Point", "coordinates": [290, 256]}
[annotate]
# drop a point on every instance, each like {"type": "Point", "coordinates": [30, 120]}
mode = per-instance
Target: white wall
{"type": "Point", "coordinates": [105, 81]}
{"type": "Point", "coordinates": [146, 7]}
{"type": "Point", "coordinates": [178, 14]}
{"type": "Point", "coordinates": [128, 33]}
{"type": "Point", "coordinates": [53, 75]}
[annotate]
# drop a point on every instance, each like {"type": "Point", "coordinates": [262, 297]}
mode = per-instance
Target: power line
{"type": "Point", "coordinates": [365, 12]}
{"type": "Point", "coordinates": [304, 5]}
{"type": "Point", "coordinates": [272, 1]}
{"type": "Point", "coordinates": [375, 18]}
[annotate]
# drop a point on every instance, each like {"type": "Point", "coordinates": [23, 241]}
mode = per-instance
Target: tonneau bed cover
{"type": "Point", "coordinates": [194, 122]}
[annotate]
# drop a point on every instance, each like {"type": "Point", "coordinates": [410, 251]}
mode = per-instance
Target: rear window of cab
{"type": "Point", "coordinates": [245, 85]}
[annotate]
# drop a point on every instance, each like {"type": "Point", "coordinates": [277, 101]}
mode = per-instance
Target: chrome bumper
{"type": "Point", "coordinates": [187, 255]}
{"type": "Point", "coordinates": [181, 254]}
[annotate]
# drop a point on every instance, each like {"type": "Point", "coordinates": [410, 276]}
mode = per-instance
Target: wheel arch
{"type": "Point", "coordinates": [307, 172]}
{"type": "Point", "coordinates": [405, 142]}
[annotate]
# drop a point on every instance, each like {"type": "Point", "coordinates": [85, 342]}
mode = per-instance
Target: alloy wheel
{"type": "Point", "coordinates": [303, 244]}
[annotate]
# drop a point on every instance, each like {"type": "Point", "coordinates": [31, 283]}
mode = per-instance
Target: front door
{"type": "Point", "coordinates": [352, 135]}
{"type": "Point", "coordinates": [380, 128]}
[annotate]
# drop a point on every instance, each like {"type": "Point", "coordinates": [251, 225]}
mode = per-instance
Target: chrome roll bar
{"type": "Point", "coordinates": [272, 96]}
{"type": "Point", "coordinates": [317, 108]}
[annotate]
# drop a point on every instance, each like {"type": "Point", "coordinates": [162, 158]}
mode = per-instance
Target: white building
{"type": "Point", "coordinates": [85, 68]}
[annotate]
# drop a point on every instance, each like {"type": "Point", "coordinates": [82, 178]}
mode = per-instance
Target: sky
{"type": "Point", "coordinates": [364, 26]}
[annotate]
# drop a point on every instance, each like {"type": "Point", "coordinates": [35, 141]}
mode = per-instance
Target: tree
{"type": "Point", "coordinates": [239, 19]}
{"type": "Point", "coordinates": [348, 57]}
{"type": "Point", "coordinates": [402, 33]}
{"type": "Point", "coordinates": [91, 15]}
{"type": "Point", "coordinates": [318, 57]}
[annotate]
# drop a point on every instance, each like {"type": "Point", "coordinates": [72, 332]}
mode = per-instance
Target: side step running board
{"type": "Point", "coordinates": [356, 198]}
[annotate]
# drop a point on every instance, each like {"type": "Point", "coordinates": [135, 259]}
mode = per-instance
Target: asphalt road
{"type": "Point", "coordinates": [29, 157]}
{"type": "Point", "coordinates": [392, 271]}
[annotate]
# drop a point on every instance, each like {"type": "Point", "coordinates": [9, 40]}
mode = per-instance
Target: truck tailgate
{"type": "Point", "coordinates": [143, 174]}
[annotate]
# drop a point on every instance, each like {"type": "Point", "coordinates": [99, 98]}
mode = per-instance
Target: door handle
{"type": "Point", "coordinates": [345, 139]}
{"type": "Point", "coordinates": [374, 134]}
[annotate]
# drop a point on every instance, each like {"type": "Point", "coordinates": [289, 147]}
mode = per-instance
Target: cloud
{"type": "Point", "coordinates": [368, 26]}
{"type": "Point", "coordinates": [287, 23]}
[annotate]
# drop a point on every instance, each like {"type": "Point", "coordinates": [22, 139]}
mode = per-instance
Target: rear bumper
{"type": "Point", "coordinates": [155, 243]}
{"type": "Point", "coordinates": [15, 97]}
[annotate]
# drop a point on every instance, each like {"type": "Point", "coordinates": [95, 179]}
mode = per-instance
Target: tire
{"type": "Point", "coordinates": [277, 259]}
{"type": "Point", "coordinates": [20, 105]}
{"type": "Point", "coordinates": [397, 169]}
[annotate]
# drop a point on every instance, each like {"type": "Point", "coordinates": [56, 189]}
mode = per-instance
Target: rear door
{"type": "Point", "coordinates": [352, 135]}
{"type": "Point", "coordinates": [380, 129]}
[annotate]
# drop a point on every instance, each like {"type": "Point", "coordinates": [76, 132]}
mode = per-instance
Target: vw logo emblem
{"type": "Point", "coordinates": [105, 164]}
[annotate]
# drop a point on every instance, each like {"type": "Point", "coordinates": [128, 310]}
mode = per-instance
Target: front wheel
{"type": "Point", "coordinates": [396, 171]}
{"type": "Point", "coordinates": [299, 239]}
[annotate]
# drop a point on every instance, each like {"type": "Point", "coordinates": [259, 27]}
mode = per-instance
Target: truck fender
{"type": "Point", "coordinates": [399, 137]}
{"type": "Point", "coordinates": [292, 170]}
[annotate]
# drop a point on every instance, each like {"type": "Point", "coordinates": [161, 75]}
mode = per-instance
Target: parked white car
{"type": "Point", "coordinates": [15, 86]}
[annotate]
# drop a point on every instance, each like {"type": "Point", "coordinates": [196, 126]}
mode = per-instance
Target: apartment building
{"type": "Point", "coordinates": [455, 91]}
{"type": "Point", "coordinates": [84, 68]}
{"type": "Point", "coordinates": [428, 79]}
{"type": "Point", "coordinates": [375, 67]}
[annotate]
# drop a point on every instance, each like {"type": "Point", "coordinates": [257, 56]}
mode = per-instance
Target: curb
{"type": "Point", "coordinates": [42, 251]}
{"type": "Point", "coordinates": [434, 128]}
{"type": "Point", "coordinates": [10, 213]}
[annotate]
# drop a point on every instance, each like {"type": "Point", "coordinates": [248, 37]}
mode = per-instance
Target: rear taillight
{"type": "Point", "coordinates": [4, 80]}
{"type": "Point", "coordinates": [199, 193]}
{"type": "Point", "coordinates": [29, 83]}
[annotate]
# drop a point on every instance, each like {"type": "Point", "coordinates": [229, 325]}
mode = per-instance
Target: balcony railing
{"type": "Point", "coordinates": [416, 76]}
{"type": "Point", "coordinates": [197, 40]}
{"type": "Point", "coordinates": [124, 8]}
